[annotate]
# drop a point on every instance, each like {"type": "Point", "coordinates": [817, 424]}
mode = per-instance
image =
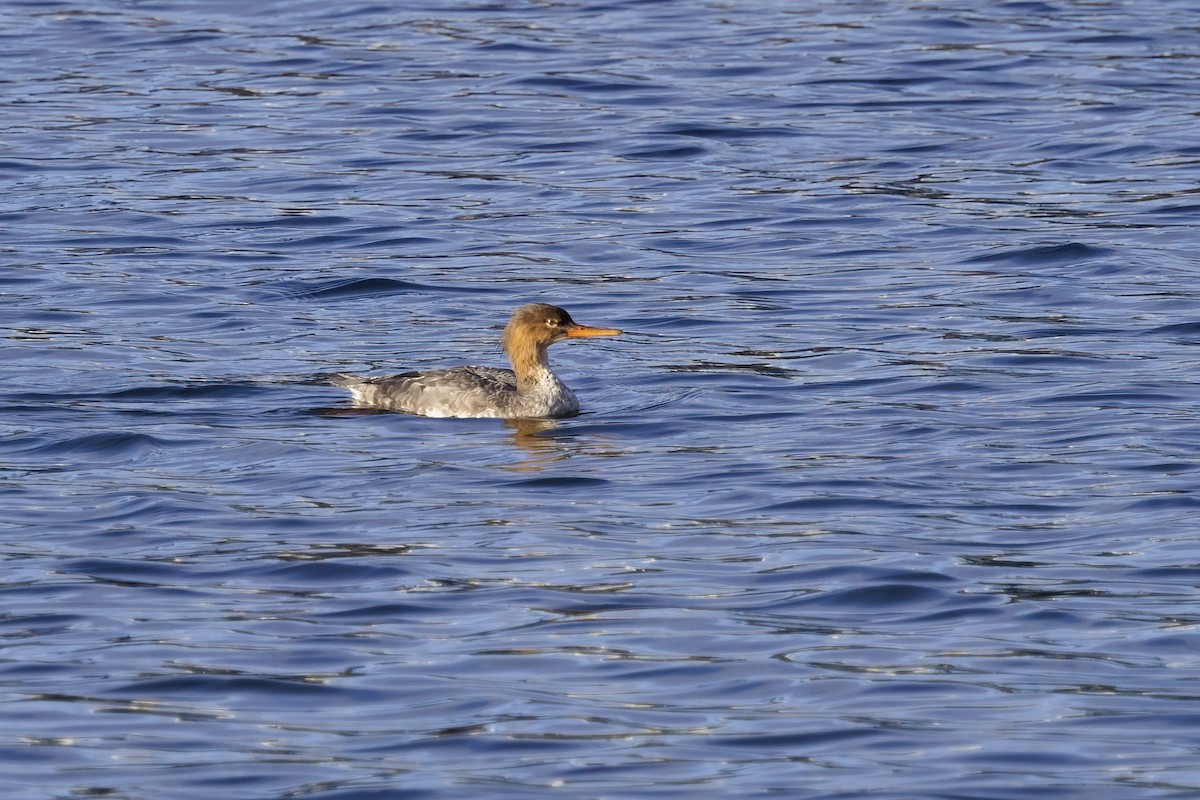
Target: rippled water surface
{"type": "Point", "coordinates": [889, 492]}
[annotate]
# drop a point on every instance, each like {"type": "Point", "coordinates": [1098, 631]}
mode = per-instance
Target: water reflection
{"type": "Point", "coordinates": [535, 438]}
{"type": "Point", "coordinates": [529, 436]}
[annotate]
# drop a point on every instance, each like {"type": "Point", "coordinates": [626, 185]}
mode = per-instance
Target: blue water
{"type": "Point", "coordinates": [890, 492]}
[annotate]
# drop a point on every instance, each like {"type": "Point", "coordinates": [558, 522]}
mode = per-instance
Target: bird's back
{"type": "Point", "coordinates": [455, 392]}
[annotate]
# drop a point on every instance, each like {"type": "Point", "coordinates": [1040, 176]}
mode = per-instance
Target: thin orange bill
{"type": "Point", "coordinates": [583, 331]}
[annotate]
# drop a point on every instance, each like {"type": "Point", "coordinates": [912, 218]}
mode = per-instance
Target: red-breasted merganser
{"type": "Point", "coordinates": [529, 390]}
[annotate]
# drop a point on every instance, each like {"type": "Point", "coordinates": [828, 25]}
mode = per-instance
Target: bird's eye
{"type": "Point", "coordinates": [553, 323]}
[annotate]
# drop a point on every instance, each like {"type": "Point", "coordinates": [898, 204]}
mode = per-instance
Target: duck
{"type": "Point", "coordinates": [530, 390]}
